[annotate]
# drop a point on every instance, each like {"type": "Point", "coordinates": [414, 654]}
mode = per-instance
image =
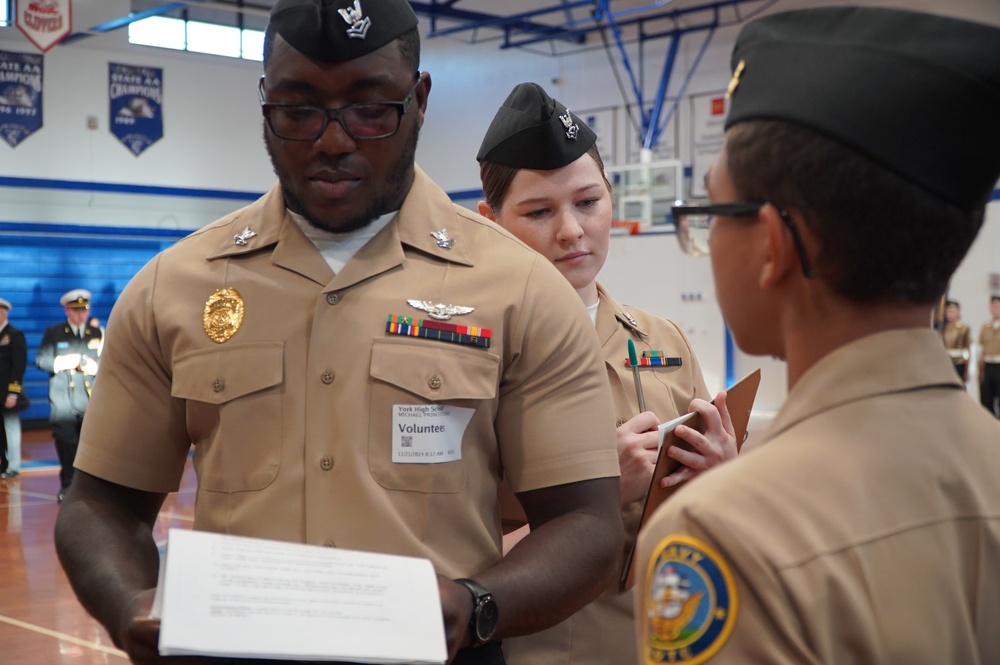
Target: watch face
{"type": "Point", "coordinates": [486, 619]}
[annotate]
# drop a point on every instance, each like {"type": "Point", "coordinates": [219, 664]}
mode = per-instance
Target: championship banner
{"type": "Point", "coordinates": [44, 22]}
{"type": "Point", "coordinates": [20, 96]}
{"type": "Point", "coordinates": [136, 105]}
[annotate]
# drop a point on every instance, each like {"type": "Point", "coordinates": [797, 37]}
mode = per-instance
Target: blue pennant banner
{"type": "Point", "coordinates": [136, 95]}
{"type": "Point", "coordinates": [20, 96]}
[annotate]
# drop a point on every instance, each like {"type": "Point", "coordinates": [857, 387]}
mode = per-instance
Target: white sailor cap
{"type": "Point", "coordinates": [6, 304]}
{"type": "Point", "coordinates": [76, 299]}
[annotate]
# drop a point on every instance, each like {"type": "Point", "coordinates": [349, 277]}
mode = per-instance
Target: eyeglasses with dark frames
{"type": "Point", "coordinates": [363, 121]}
{"type": "Point", "coordinates": [694, 226]}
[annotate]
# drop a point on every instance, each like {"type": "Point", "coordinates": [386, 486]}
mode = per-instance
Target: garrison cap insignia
{"type": "Point", "coordinates": [572, 129]}
{"type": "Point", "coordinates": [244, 235]}
{"type": "Point", "coordinates": [355, 18]}
{"type": "Point", "coordinates": [223, 315]}
{"type": "Point", "coordinates": [689, 603]}
{"type": "Point", "coordinates": [443, 240]}
{"type": "Point", "coordinates": [735, 81]}
{"type": "Point", "coordinates": [440, 311]}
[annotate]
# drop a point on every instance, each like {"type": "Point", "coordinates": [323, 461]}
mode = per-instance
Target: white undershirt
{"type": "Point", "coordinates": [592, 310]}
{"type": "Point", "coordinates": [338, 248]}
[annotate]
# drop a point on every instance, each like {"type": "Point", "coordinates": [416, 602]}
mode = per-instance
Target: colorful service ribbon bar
{"type": "Point", "coordinates": [445, 332]}
{"type": "Point", "coordinates": [656, 359]}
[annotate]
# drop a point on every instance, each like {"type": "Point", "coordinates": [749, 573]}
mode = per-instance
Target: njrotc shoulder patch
{"type": "Point", "coordinates": [689, 603]}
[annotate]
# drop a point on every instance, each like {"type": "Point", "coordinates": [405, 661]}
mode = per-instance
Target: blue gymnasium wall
{"type": "Point", "coordinates": [40, 262]}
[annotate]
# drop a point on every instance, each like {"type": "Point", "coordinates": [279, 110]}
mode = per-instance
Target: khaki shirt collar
{"type": "Point", "coordinates": [906, 359]}
{"type": "Point", "coordinates": [426, 209]}
{"type": "Point", "coordinates": [611, 315]}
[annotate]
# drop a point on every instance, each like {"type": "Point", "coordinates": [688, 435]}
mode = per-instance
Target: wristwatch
{"type": "Point", "coordinates": [484, 612]}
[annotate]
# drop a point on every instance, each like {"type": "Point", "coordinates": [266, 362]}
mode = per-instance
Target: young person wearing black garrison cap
{"type": "Point", "coordinates": [862, 147]}
{"type": "Point", "coordinates": [291, 341]}
{"type": "Point", "coordinates": [543, 179]}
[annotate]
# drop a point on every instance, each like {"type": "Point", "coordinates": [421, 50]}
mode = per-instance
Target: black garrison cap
{"type": "Point", "coordinates": [533, 131]}
{"type": "Point", "coordinates": [341, 30]}
{"type": "Point", "coordinates": [916, 93]}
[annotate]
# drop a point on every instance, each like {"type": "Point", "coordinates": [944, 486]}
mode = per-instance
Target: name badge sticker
{"type": "Point", "coordinates": [428, 433]}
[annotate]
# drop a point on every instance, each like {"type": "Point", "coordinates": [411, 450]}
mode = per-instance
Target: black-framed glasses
{"type": "Point", "coordinates": [362, 122]}
{"type": "Point", "coordinates": [694, 226]}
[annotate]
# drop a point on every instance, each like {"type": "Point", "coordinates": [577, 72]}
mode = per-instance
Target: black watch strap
{"type": "Point", "coordinates": [483, 623]}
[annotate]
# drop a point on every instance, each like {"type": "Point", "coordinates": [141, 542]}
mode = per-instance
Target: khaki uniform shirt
{"type": "Point", "coordinates": [989, 340]}
{"type": "Point", "coordinates": [957, 339]}
{"type": "Point", "coordinates": [296, 419]}
{"type": "Point", "coordinates": [603, 632]}
{"type": "Point", "coordinates": [866, 530]}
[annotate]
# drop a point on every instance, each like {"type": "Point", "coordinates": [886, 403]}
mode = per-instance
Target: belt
{"type": "Point", "coordinates": [992, 360]}
{"type": "Point", "coordinates": [958, 354]}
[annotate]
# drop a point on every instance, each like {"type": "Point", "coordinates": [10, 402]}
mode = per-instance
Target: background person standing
{"type": "Point", "coordinates": [69, 353]}
{"type": "Point", "coordinates": [989, 359]}
{"type": "Point", "coordinates": [957, 338]}
{"type": "Point", "coordinates": [13, 359]}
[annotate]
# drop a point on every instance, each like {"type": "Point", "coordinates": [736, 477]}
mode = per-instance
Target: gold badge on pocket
{"type": "Point", "coordinates": [223, 315]}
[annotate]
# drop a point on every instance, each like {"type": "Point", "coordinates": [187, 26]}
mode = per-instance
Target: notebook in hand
{"type": "Point", "coordinates": [739, 401]}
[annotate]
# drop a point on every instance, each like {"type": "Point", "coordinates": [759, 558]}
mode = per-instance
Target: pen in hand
{"type": "Point", "coordinates": [633, 360]}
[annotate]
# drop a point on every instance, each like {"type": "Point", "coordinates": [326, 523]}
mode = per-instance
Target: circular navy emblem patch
{"type": "Point", "coordinates": [689, 606]}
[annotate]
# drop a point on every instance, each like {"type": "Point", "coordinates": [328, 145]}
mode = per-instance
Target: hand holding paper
{"type": "Point", "coordinates": [637, 444]}
{"type": "Point", "coordinates": [738, 401]}
{"type": "Point", "coordinates": [241, 597]}
{"type": "Point", "coordinates": [710, 445]}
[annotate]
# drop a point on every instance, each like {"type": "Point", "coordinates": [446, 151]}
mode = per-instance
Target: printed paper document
{"type": "Point", "coordinates": [237, 597]}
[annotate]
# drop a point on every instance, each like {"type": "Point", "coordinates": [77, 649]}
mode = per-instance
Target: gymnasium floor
{"type": "Point", "coordinates": [41, 622]}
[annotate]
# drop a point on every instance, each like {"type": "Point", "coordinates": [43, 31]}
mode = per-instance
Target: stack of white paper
{"type": "Point", "coordinates": [230, 596]}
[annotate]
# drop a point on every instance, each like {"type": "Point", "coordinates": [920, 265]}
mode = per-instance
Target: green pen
{"type": "Point", "coordinates": [633, 360]}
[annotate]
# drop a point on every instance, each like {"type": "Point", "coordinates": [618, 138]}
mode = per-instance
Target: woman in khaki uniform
{"type": "Point", "coordinates": [544, 181]}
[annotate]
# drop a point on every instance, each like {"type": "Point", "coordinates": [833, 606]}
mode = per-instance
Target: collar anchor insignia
{"type": "Point", "coordinates": [443, 240]}
{"type": "Point", "coordinates": [241, 238]}
{"type": "Point", "coordinates": [439, 311]}
{"type": "Point", "coordinates": [355, 18]}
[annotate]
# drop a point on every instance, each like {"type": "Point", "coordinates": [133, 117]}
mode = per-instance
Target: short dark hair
{"type": "Point", "coordinates": [496, 178]}
{"type": "Point", "coordinates": [881, 238]}
{"type": "Point", "coordinates": [409, 46]}
{"type": "Point", "coordinates": [995, 298]}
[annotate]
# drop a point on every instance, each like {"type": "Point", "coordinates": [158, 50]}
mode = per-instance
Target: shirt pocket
{"type": "Point", "coordinates": [408, 373]}
{"type": "Point", "coordinates": [233, 410]}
